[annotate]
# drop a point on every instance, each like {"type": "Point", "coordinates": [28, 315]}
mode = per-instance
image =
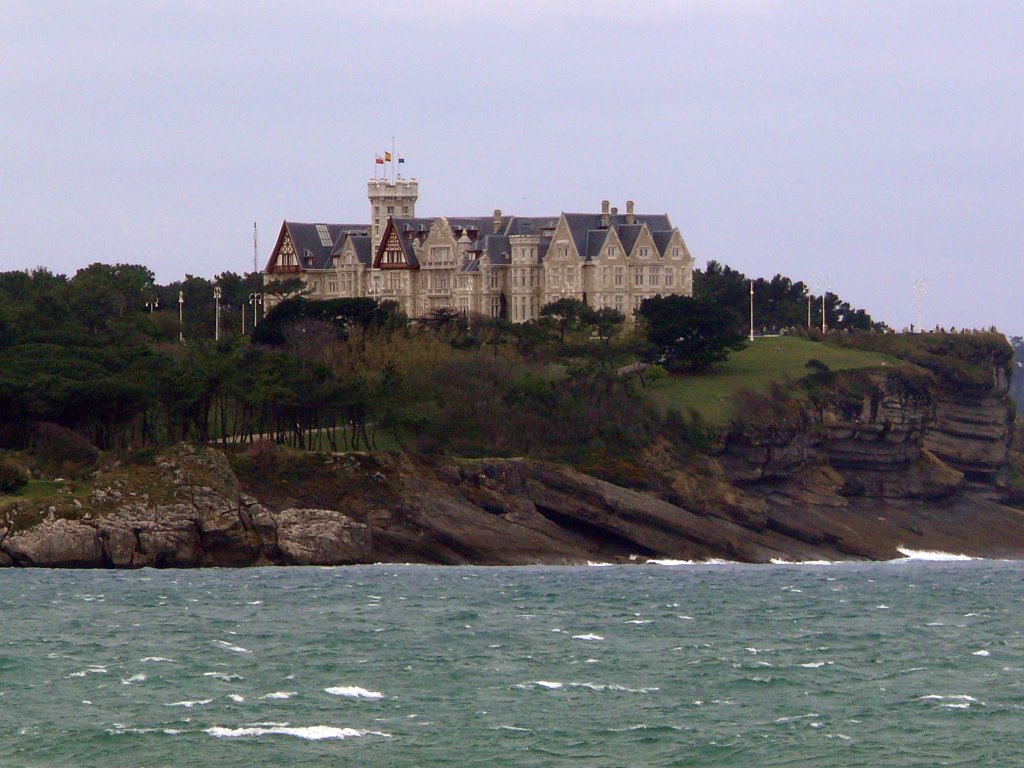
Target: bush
{"type": "Point", "coordinates": [12, 477]}
{"type": "Point", "coordinates": [57, 445]}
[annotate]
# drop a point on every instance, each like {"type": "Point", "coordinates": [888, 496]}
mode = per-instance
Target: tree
{"type": "Point", "coordinates": [567, 314]}
{"type": "Point", "coordinates": [686, 333]}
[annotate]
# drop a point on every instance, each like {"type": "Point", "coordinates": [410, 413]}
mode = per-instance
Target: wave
{"type": "Point", "coordinates": [354, 692]}
{"type": "Point", "coordinates": [189, 704]}
{"type": "Point", "coordinates": [278, 695]}
{"type": "Point", "coordinates": [588, 636]}
{"type": "Point", "coordinates": [228, 646]}
{"type": "Point", "coordinates": [930, 555]}
{"type": "Point", "coordinates": [309, 732]}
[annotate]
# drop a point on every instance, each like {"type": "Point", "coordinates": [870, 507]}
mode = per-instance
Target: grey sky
{"type": "Point", "coordinates": [868, 144]}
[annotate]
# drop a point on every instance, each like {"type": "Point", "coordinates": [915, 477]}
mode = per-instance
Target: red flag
{"type": "Point", "coordinates": [379, 160]}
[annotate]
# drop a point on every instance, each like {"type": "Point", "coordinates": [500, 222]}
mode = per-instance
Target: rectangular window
{"type": "Point", "coordinates": [669, 276]}
{"type": "Point", "coordinates": [619, 276]}
{"type": "Point", "coordinates": [391, 209]}
{"type": "Point", "coordinates": [494, 281]}
{"type": "Point", "coordinates": [405, 210]}
{"type": "Point", "coordinates": [644, 252]}
{"type": "Point", "coordinates": [638, 276]}
{"type": "Point", "coordinates": [618, 302]}
{"type": "Point", "coordinates": [675, 253]}
{"type": "Point", "coordinates": [495, 306]}
{"type": "Point", "coordinates": [654, 276]}
{"type": "Point", "coordinates": [604, 277]}
{"type": "Point", "coordinates": [612, 253]}
{"type": "Point", "coordinates": [570, 275]}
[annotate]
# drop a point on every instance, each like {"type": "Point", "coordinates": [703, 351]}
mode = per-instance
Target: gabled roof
{"type": "Point", "coordinates": [661, 240]}
{"type": "Point", "coordinates": [360, 243]}
{"type": "Point", "coordinates": [596, 238]}
{"type": "Point", "coordinates": [406, 229]}
{"type": "Point", "coordinates": [308, 244]}
{"type": "Point", "coordinates": [628, 234]}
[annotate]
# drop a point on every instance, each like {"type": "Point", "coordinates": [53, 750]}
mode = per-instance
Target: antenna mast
{"type": "Point", "coordinates": [920, 288]}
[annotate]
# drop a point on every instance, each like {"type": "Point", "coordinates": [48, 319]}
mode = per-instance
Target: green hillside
{"type": "Point", "coordinates": [764, 361]}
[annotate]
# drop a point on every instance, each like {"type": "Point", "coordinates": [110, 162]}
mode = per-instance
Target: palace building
{"type": "Point", "coordinates": [499, 265]}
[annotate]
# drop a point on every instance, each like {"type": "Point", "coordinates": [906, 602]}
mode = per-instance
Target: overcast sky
{"type": "Point", "coordinates": [862, 145]}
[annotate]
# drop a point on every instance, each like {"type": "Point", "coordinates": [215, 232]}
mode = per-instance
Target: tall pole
{"type": "Point", "coordinates": [216, 321]}
{"type": "Point", "coordinates": [823, 293]}
{"type": "Point", "coordinates": [751, 310]}
{"type": "Point", "coordinates": [181, 316]}
{"type": "Point", "coordinates": [808, 310]}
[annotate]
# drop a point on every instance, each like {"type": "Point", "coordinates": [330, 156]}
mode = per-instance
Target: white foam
{"type": "Point", "coordinates": [639, 621]}
{"type": "Point", "coordinates": [236, 648]}
{"type": "Point", "coordinates": [278, 695]}
{"type": "Point", "coordinates": [354, 692]}
{"type": "Point", "coordinates": [599, 565]}
{"type": "Point", "coordinates": [781, 561]}
{"type": "Point", "coordinates": [549, 684]}
{"type": "Point", "coordinates": [133, 679]}
{"type": "Point", "coordinates": [981, 653]}
{"type": "Point", "coordinates": [155, 659]}
{"type": "Point", "coordinates": [588, 636]}
{"type": "Point", "coordinates": [189, 704]}
{"type": "Point", "coordinates": [236, 698]}
{"type": "Point", "coordinates": [954, 697]}
{"type": "Point", "coordinates": [93, 669]}
{"type": "Point", "coordinates": [931, 554]}
{"type": "Point", "coordinates": [225, 676]}
{"type": "Point", "coordinates": [815, 664]}
{"type": "Point", "coordinates": [309, 733]}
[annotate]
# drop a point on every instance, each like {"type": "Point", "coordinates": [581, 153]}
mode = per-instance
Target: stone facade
{"type": "Point", "coordinates": [497, 266]}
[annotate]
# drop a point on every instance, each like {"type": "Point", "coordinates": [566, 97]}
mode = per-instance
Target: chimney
{"type": "Point", "coordinates": [497, 220]}
{"type": "Point", "coordinates": [605, 217]}
{"type": "Point", "coordinates": [630, 219]}
{"type": "Point", "coordinates": [615, 211]}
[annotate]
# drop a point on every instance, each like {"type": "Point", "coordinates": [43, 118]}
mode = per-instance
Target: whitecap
{"type": "Point", "coordinates": [155, 659]}
{"type": "Point", "coordinates": [953, 697]}
{"type": "Point", "coordinates": [188, 704]}
{"type": "Point", "coordinates": [639, 621]}
{"type": "Point", "coordinates": [513, 728]}
{"type": "Point", "coordinates": [981, 653]}
{"type": "Point", "coordinates": [133, 679]}
{"type": "Point", "coordinates": [228, 646]}
{"type": "Point", "coordinates": [599, 565]}
{"type": "Point", "coordinates": [930, 554]}
{"type": "Point", "coordinates": [588, 636]}
{"type": "Point", "coordinates": [309, 733]}
{"type": "Point", "coordinates": [815, 664]}
{"type": "Point", "coordinates": [225, 676]}
{"type": "Point", "coordinates": [781, 561]}
{"type": "Point", "coordinates": [278, 695]}
{"type": "Point", "coordinates": [354, 692]}
{"type": "Point", "coordinates": [236, 698]}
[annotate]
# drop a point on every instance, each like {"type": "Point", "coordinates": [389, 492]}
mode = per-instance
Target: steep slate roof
{"type": "Point", "coordinates": [661, 240]}
{"type": "Point", "coordinates": [628, 233]}
{"type": "Point", "coordinates": [586, 230]}
{"type": "Point", "coordinates": [596, 238]}
{"type": "Point", "coordinates": [306, 241]}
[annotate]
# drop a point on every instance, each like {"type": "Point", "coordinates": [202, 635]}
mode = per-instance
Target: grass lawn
{"type": "Point", "coordinates": [756, 367]}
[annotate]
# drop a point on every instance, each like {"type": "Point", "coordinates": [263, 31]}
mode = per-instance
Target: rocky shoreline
{"type": "Point", "coordinates": [897, 466]}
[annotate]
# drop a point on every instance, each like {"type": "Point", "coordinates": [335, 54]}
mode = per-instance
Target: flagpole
{"type": "Point", "coordinates": [255, 250]}
{"type": "Point", "coordinates": [394, 161]}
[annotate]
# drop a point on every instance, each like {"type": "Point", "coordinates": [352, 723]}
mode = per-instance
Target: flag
{"type": "Point", "coordinates": [401, 159]}
{"type": "Point", "coordinates": [379, 160]}
{"type": "Point", "coordinates": [387, 156]}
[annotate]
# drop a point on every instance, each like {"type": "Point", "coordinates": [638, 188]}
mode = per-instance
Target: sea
{"type": "Point", "coordinates": [915, 662]}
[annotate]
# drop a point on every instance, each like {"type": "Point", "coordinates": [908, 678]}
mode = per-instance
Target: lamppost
{"type": "Point", "coordinates": [153, 304]}
{"type": "Point", "coordinates": [255, 298]}
{"type": "Point", "coordinates": [751, 310]}
{"type": "Point", "coordinates": [216, 321]}
{"type": "Point", "coordinates": [181, 317]}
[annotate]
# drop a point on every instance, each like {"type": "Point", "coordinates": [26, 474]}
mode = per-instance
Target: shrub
{"type": "Point", "coordinates": [12, 477]}
{"type": "Point", "coordinates": [58, 445]}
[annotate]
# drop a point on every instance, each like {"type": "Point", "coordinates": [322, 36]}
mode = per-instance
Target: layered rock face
{"type": "Point", "coordinates": [887, 463]}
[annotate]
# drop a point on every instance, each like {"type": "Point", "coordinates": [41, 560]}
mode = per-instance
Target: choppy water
{"type": "Point", "coordinates": [899, 664]}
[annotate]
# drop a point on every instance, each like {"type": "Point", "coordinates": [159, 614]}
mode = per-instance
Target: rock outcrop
{"type": "Point", "coordinates": [881, 464]}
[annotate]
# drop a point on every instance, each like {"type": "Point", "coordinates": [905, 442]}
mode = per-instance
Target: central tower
{"type": "Point", "coordinates": [390, 199]}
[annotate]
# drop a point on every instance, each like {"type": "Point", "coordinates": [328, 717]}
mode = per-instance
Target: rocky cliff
{"type": "Point", "coordinates": [868, 463]}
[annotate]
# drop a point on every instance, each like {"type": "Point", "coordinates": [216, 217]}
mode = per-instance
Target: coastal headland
{"type": "Point", "coordinates": [865, 464]}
